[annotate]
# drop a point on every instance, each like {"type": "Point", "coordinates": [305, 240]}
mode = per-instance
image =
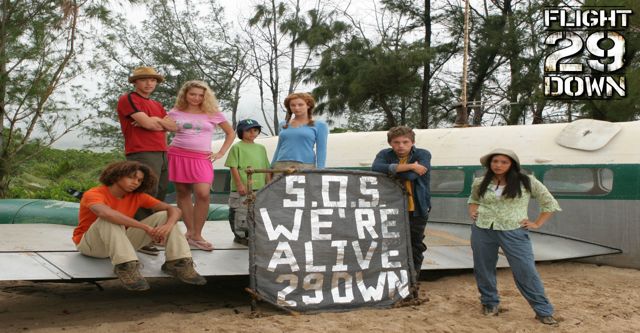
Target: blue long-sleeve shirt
{"type": "Point", "coordinates": [297, 144]}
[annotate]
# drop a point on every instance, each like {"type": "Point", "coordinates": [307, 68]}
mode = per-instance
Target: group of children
{"type": "Point", "coordinates": [127, 213]}
{"type": "Point", "coordinates": [107, 228]}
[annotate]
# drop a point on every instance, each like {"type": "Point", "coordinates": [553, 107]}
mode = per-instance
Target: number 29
{"type": "Point", "coordinates": [608, 60]}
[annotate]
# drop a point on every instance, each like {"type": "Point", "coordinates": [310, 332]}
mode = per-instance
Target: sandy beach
{"type": "Point", "coordinates": [588, 298]}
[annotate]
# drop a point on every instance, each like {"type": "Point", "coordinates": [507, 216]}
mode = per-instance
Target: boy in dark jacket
{"type": "Point", "coordinates": [412, 165]}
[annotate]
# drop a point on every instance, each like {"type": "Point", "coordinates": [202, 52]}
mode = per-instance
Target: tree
{"type": "Point", "coordinates": [627, 108]}
{"type": "Point", "coordinates": [357, 76]}
{"type": "Point", "coordinates": [41, 52]}
{"type": "Point", "coordinates": [422, 17]}
{"type": "Point", "coordinates": [268, 41]}
{"type": "Point", "coordinates": [281, 33]}
{"type": "Point", "coordinates": [389, 71]}
{"type": "Point", "coordinates": [506, 61]}
{"type": "Point", "coordinates": [172, 40]}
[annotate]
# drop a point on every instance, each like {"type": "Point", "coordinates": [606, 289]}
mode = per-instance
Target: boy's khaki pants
{"type": "Point", "coordinates": [105, 239]}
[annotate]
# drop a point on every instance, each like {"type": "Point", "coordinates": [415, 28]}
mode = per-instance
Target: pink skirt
{"type": "Point", "coordinates": [189, 167]}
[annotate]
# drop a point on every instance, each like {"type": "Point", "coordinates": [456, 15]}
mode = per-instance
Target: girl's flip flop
{"type": "Point", "coordinates": [201, 244]}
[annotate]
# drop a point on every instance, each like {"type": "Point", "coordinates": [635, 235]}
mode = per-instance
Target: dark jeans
{"type": "Point", "coordinates": [517, 248]}
{"type": "Point", "coordinates": [157, 162]}
{"type": "Point", "coordinates": [417, 225]}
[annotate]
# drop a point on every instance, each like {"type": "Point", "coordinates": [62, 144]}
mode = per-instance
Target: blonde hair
{"type": "Point", "coordinates": [397, 131]}
{"type": "Point", "coordinates": [307, 98]}
{"type": "Point", "coordinates": [209, 103]}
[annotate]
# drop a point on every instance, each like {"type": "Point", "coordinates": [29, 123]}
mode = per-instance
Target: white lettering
{"type": "Point", "coordinates": [375, 195]}
{"type": "Point", "coordinates": [339, 266]}
{"type": "Point", "coordinates": [297, 191]}
{"type": "Point", "coordinates": [386, 253]}
{"type": "Point", "coordinates": [364, 262]}
{"type": "Point", "coordinates": [368, 223]}
{"type": "Point", "coordinates": [342, 190]}
{"type": "Point", "coordinates": [348, 287]}
{"type": "Point", "coordinates": [371, 293]}
{"type": "Point", "coordinates": [280, 230]}
{"type": "Point", "coordinates": [313, 282]}
{"type": "Point", "coordinates": [283, 255]}
{"type": "Point", "coordinates": [316, 224]}
{"type": "Point", "coordinates": [308, 254]}
{"type": "Point", "coordinates": [282, 294]}
{"type": "Point", "coordinates": [385, 223]}
{"type": "Point", "coordinates": [400, 285]}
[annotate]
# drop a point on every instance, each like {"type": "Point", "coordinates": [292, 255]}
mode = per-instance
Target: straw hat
{"type": "Point", "coordinates": [144, 72]}
{"type": "Point", "coordinates": [484, 160]}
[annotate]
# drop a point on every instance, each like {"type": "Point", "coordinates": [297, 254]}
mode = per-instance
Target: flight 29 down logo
{"type": "Point", "coordinates": [586, 52]}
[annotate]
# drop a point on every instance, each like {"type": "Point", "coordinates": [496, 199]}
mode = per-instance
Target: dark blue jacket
{"type": "Point", "coordinates": [387, 162]}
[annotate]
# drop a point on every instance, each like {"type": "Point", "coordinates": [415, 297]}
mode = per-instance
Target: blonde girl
{"type": "Point", "coordinates": [197, 115]}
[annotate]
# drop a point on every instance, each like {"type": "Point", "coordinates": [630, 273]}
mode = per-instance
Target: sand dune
{"type": "Point", "coordinates": [587, 298]}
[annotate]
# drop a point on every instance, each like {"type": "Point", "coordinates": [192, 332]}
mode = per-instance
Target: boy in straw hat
{"type": "Point", "coordinates": [144, 125]}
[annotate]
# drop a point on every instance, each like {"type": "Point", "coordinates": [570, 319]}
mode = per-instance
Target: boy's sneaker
{"type": "Point", "coordinates": [183, 270]}
{"type": "Point", "coordinates": [130, 276]}
{"type": "Point", "coordinates": [241, 240]}
{"type": "Point", "coordinates": [149, 249]}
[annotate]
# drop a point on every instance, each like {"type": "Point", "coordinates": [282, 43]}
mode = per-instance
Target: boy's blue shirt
{"type": "Point", "coordinates": [387, 161]}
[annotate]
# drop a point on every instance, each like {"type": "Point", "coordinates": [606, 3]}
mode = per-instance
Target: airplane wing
{"type": "Point", "coordinates": [46, 252]}
{"type": "Point", "coordinates": [449, 247]}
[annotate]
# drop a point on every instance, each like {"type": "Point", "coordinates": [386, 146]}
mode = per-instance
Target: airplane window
{"type": "Point", "coordinates": [605, 176]}
{"type": "Point", "coordinates": [481, 172]}
{"type": "Point", "coordinates": [447, 181]}
{"type": "Point", "coordinates": [590, 181]}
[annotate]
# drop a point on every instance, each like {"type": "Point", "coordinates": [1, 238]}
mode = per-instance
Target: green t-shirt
{"type": "Point", "coordinates": [242, 155]}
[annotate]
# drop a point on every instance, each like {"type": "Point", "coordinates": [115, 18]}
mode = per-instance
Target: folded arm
{"type": "Point", "coordinates": [408, 171]}
{"type": "Point", "coordinates": [143, 120]}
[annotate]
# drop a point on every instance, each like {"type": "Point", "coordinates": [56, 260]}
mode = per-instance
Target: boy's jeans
{"type": "Point", "coordinates": [417, 225]}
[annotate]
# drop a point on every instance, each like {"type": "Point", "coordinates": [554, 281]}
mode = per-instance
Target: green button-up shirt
{"type": "Point", "coordinates": [506, 214]}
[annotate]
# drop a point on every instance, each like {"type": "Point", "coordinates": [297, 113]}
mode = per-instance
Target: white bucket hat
{"type": "Point", "coordinates": [486, 159]}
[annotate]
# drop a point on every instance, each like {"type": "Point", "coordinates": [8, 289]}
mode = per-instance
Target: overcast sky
{"type": "Point", "coordinates": [237, 12]}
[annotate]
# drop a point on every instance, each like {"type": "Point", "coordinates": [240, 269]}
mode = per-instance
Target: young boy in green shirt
{"type": "Point", "coordinates": [243, 154]}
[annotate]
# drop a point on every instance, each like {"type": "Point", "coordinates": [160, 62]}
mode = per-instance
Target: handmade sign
{"type": "Point", "coordinates": [331, 240]}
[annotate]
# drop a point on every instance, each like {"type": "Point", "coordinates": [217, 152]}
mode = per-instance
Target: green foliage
{"type": "Point", "coordinates": [42, 50]}
{"type": "Point", "coordinates": [51, 172]}
{"type": "Point", "coordinates": [627, 108]}
{"type": "Point", "coordinates": [355, 75]}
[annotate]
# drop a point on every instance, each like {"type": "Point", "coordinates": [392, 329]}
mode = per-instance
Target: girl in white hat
{"type": "Point", "coordinates": [498, 207]}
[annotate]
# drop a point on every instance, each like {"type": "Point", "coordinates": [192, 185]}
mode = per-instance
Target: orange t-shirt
{"type": "Point", "coordinates": [128, 206]}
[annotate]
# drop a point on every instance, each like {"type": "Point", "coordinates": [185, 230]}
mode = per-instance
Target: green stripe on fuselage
{"type": "Point", "coordinates": [626, 180]}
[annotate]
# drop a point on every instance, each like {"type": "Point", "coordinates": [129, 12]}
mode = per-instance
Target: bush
{"type": "Point", "coordinates": [52, 172]}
